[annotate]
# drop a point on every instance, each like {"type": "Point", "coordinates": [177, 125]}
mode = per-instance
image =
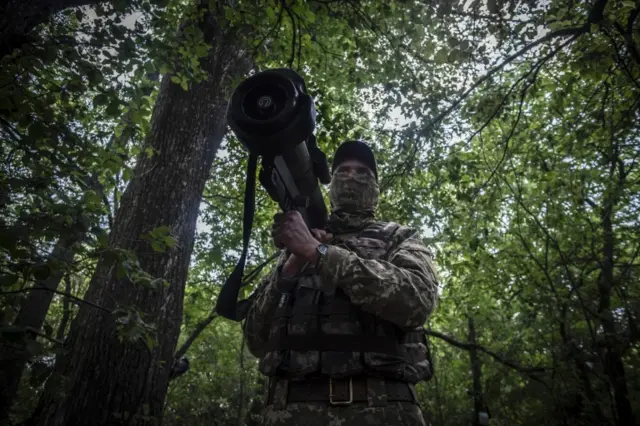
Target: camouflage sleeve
{"type": "Point", "coordinates": [264, 302]}
{"type": "Point", "coordinates": [402, 289]}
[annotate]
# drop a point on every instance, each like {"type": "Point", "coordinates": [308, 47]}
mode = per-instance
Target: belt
{"type": "Point", "coordinates": [343, 391]}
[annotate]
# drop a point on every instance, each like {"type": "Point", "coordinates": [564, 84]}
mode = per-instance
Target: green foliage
{"type": "Point", "coordinates": [160, 239]}
{"type": "Point", "coordinates": [516, 159]}
{"type": "Point", "coordinates": [132, 327]}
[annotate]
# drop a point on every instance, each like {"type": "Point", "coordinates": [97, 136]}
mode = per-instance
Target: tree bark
{"type": "Point", "coordinates": [19, 17]}
{"type": "Point", "coordinates": [109, 382]}
{"type": "Point", "coordinates": [32, 314]}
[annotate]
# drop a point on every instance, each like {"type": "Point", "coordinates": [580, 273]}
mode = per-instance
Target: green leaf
{"type": "Point", "coordinates": [160, 239]}
{"type": "Point", "coordinates": [37, 130]}
{"type": "Point", "coordinates": [127, 173]}
{"type": "Point", "coordinates": [113, 110]}
{"type": "Point", "coordinates": [8, 280]}
{"type": "Point", "coordinates": [94, 76]}
{"type": "Point", "coordinates": [100, 99]}
{"type": "Point", "coordinates": [103, 239]}
{"type": "Point", "coordinates": [151, 342]}
{"type": "Point", "coordinates": [311, 17]}
{"type": "Point", "coordinates": [176, 79]}
{"type": "Point", "coordinates": [557, 25]}
{"type": "Point", "coordinates": [441, 56]}
{"type": "Point", "coordinates": [169, 241]}
{"type": "Point", "coordinates": [160, 231]}
{"type": "Point", "coordinates": [158, 283]}
{"type": "Point", "coordinates": [271, 14]}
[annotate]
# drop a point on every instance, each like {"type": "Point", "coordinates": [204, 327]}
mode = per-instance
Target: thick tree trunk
{"type": "Point", "coordinates": [19, 17]}
{"type": "Point", "coordinates": [33, 311]}
{"type": "Point", "coordinates": [109, 382]}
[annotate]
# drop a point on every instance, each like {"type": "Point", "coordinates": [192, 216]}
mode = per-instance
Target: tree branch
{"type": "Point", "coordinates": [43, 335]}
{"type": "Point", "coordinates": [628, 40]}
{"type": "Point", "coordinates": [70, 296]}
{"type": "Point", "coordinates": [276, 25]}
{"type": "Point", "coordinates": [535, 70]}
{"type": "Point", "coordinates": [194, 335]}
{"type": "Point", "coordinates": [293, 34]}
{"type": "Point", "coordinates": [66, 310]}
{"type": "Point", "coordinates": [19, 17]}
{"type": "Point", "coordinates": [574, 32]}
{"type": "Point", "coordinates": [528, 371]}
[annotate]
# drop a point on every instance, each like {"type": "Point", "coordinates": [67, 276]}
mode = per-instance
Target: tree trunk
{"type": "Point", "coordinates": [32, 314]}
{"type": "Point", "coordinates": [436, 382]}
{"type": "Point", "coordinates": [574, 408]}
{"type": "Point", "coordinates": [478, 403]}
{"type": "Point", "coordinates": [19, 17]}
{"type": "Point", "coordinates": [66, 310]}
{"type": "Point", "coordinates": [241, 417]}
{"type": "Point", "coordinates": [613, 364]}
{"type": "Point", "coordinates": [109, 382]}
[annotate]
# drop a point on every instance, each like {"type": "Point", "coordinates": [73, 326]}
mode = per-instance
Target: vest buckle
{"type": "Point", "coordinates": [344, 402]}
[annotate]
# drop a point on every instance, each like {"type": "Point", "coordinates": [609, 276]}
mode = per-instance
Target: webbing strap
{"type": "Point", "coordinates": [227, 304]}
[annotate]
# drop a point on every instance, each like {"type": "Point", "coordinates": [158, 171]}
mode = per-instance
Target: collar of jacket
{"type": "Point", "coordinates": [342, 222]}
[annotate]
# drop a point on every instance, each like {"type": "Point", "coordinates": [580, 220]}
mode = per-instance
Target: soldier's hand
{"type": "Point", "coordinates": [321, 235]}
{"type": "Point", "coordinates": [291, 231]}
{"type": "Point", "coordinates": [294, 263]}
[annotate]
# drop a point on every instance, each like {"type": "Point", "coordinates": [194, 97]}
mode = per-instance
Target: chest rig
{"type": "Point", "coordinates": [319, 333]}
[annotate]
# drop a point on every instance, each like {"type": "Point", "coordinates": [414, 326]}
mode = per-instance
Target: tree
{"type": "Point", "coordinates": [126, 379]}
{"type": "Point", "coordinates": [504, 130]}
{"type": "Point", "coordinates": [534, 225]}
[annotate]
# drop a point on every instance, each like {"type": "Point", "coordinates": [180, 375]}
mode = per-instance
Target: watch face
{"type": "Point", "coordinates": [322, 248]}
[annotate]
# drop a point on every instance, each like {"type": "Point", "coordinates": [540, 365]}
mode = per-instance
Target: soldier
{"type": "Point", "coordinates": [338, 324]}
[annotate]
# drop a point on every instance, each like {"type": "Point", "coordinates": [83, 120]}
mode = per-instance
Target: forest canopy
{"type": "Point", "coordinates": [506, 131]}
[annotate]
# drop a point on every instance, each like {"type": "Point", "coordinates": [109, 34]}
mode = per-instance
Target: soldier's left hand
{"type": "Point", "coordinates": [290, 231]}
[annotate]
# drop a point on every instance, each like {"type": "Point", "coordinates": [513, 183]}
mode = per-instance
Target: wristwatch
{"type": "Point", "coordinates": [322, 250]}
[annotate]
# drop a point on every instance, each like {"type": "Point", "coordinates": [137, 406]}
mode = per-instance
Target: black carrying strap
{"type": "Point", "coordinates": [227, 304]}
{"type": "Point", "coordinates": [336, 342]}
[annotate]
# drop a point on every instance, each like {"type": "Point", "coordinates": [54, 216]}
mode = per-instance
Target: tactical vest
{"type": "Point", "coordinates": [316, 333]}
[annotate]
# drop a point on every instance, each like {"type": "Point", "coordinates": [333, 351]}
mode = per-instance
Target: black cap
{"type": "Point", "coordinates": [355, 150]}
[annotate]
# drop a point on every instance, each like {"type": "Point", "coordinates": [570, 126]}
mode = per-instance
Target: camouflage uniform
{"type": "Point", "coordinates": [360, 315]}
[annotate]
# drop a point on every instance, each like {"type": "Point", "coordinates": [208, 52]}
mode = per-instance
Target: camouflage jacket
{"type": "Point", "coordinates": [375, 285]}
